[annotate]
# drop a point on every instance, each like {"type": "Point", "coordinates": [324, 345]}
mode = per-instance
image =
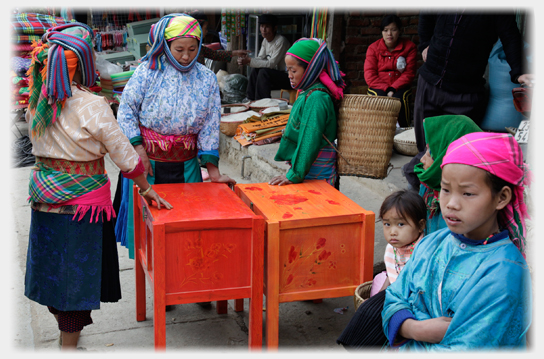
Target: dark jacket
{"type": "Point", "coordinates": [457, 55]}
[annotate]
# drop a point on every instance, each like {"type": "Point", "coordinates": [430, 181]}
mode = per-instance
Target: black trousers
{"type": "Point", "coordinates": [262, 81]}
{"type": "Point", "coordinates": [404, 96]}
{"type": "Point", "coordinates": [433, 101]}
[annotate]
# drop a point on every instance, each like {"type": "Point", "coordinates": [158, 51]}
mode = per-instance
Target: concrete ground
{"type": "Point", "coordinates": [303, 325]}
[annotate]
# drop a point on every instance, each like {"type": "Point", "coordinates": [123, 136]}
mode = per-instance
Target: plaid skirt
{"type": "Point", "coordinates": [324, 167]}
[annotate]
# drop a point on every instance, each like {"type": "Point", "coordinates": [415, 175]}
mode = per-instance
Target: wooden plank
{"type": "Point", "coordinates": [317, 294]}
{"type": "Point", "coordinates": [324, 221]}
{"type": "Point", "coordinates": [209, 225]}
{"type": "Point", "coordinates": [208, 295]}
{"type": "Point", "coordinates": [367, 247]}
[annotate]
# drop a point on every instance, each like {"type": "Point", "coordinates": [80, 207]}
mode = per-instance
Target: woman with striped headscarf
{"type": "Point", "coordinates": [311, 129]}
{"type": "Point", "coordinates": [170, 110]}
{"type": "Point", "coordinates": [72, 262]}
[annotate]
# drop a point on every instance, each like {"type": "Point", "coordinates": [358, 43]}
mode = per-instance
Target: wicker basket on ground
{"type": "Point", "coordinates": [366, 128]}
{"type": "Point", "coordinates": [405, 142]}
{"type": "Point", "coordinates": [229, 127]}
{"type": "Point", "coordinates": [362, 293]}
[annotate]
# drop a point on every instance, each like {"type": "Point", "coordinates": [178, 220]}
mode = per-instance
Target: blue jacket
{"type": "Point", "coordinates": [485, 289]}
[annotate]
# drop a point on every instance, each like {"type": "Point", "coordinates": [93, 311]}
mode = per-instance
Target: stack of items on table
{"type": "Point", "coordinates": [19, 82]}
{"type": "Point", "coordinates": [118, 81]}
{"type": "Point", "coordinates": [25, 29]}
{"type": "Point", "coordinates": [263, 130]}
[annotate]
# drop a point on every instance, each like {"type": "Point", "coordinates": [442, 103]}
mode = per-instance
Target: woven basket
{"type": "Point", "coordinates": [229, 128]}
{"type": "Point", "coordinates": [362, 293]}
{"type": "Point", "coordinates": [404, 145]}
{"type": "Point", "coordinates": [257, 109]}
{"type": "Point", "coordinates": [366, 128]}
{"type": "Point", "coordinates": [235, 105]}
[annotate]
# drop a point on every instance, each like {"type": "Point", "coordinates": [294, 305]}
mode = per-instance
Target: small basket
{"type": "Point", "coordinates": [362, 293]}
{"type": "Point", "coordinates": [406, 146]}
{"type": "Point", "coordinates": [258, 109]}
{"type": "Point", "coordinates": [366, 128]}
{"type": "Point", "coordinates": [229, 128]}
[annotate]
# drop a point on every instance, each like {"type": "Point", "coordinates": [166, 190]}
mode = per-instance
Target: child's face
{"type": "Point", "coordinates": [427, 159]}
{"type": "Point", "coordinates": [399, 232]}
{"type": "Point", "coordinates": [467, 203]}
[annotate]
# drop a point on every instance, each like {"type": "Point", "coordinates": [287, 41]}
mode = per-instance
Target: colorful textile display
{"type": "Point", "coordinates": [120, 79]}
{"type": "Point", "coordinates": [35, 24]}
{"type": "Point", "coordinates": [319, 24]}
{"type": "Point", "coordinates": [500, 155]}
{"type": "Point", "coordinates": [321, 65]}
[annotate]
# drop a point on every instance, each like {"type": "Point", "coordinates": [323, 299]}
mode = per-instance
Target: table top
{"type": "Point", "coordinates": [310, 199]}
{"type": "Point", "coordinates": [198, 202]}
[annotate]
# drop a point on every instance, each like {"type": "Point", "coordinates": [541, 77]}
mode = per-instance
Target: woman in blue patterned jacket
{"type": "Point", "coordinates": [170, 110]}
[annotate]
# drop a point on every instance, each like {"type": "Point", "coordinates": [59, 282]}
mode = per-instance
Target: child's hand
{"type": "Point", "coordinates": [429, 331]}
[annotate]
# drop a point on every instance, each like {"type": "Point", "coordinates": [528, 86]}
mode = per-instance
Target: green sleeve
{"type": "Point", "coordinates": [209, 159]}
{"type": "Point", "coordinates": [135, 141]}
{"type": "Point", "coordinates": [313, 124]}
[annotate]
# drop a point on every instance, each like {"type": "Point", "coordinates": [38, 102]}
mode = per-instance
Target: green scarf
{"type": "Point", "coordinates": [440, 131]}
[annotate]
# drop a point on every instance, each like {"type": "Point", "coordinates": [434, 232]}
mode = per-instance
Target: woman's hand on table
{"type": "Point", "coordinates": [279, 181]}
{"type": "Point", "coordinates": [145, 160]}
{"type": "Point", "coordinates": [153, 196]}
{"type": "Point", "coordinates": [223, 179]}
{"type": "Point", "coordinates": [526, 79]}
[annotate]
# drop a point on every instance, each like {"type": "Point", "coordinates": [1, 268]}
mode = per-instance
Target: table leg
{"type": "Point", "coordinates": [239, 305]}
{"type": "Point", "coordinates": [272, 286]}
{"type": "Point", "coordinates": [221, 307]}
{"type": "Point", "coordinates": [255, 339]}
{"type": "Point", "coordinates": [159, 288]}
{"type": "Point", "coordinates": [138, 270]}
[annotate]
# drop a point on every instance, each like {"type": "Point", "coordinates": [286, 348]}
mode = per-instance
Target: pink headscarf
{"type": "Point", "coordinates": [500, 155]}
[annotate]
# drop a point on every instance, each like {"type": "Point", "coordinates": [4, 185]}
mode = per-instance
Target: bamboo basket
{"type": "Point", "coordinates": [366, 129]}
{"type": "Point", "coordinates": [229, 128]}
{"type": "Point", "coordinates": [362, 293]}
{"type": "Point", "coordinates": [405, 142]}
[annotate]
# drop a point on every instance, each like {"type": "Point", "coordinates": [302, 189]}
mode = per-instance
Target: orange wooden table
{"type": "Point", "coordinates": [319, 244]}
{"type": "Point", "coordinates": [208, 247]}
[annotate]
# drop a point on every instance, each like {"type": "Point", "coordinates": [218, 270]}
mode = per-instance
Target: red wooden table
{"type": "Point", "coordinates": [209, 247]}
{"type": "Point", "coordinates": [318, 244]}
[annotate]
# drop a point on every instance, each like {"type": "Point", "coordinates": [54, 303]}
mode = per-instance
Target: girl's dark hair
{"type": "Point", "coordinates": [408, 204]}
{"type": "Point", "coordinates": [301, 63]}
{"type": "Point", "coordinates": [497, 184]}
{"type": "Point", "coordinates": [388, 19]}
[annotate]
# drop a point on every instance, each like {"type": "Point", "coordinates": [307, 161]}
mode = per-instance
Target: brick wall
{"type": "Point", "coordinates": [360, 30]}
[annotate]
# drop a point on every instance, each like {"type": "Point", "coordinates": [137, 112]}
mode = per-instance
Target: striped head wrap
{"type": "Point", "coordinates": [321, 65]}
{"type": "Point", "coordinates": [54, 62]}
{"type": "Point", "coordinates": [169, 28]}
{"type": "Point", "coordinates": [500, 155]}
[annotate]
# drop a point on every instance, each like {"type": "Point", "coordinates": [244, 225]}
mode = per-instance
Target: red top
{"type": "Point", "coordinates": [381, 65]}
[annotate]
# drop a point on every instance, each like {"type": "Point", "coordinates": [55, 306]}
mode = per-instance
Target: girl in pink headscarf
{"type": "Point", "coordinates": [468, 286]}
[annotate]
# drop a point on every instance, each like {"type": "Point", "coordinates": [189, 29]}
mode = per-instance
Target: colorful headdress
{"type": "Point", "coordinates": [500, 155]}
{"type": "Point", "coordinates": [321, 64]}
{"type": "Point", "coordinates": [440, 131]}
{"type": "Point", "coordinates": [168, 28]}
{"type": "Point", "coordinates": [54, 63]}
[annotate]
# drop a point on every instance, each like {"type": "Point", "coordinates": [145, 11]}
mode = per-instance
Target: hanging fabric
{"type": "Point", "coordinates": [319, 24]}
